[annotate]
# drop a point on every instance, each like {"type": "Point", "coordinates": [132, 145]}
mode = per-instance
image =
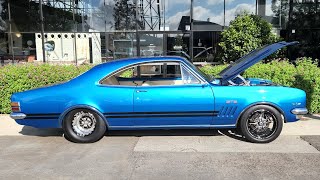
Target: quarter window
{"type": "Point", "coordinates": [189, 78]}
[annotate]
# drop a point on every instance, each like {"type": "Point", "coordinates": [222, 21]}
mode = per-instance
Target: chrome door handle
{"type": "Point", "coordinates": [139, 91]}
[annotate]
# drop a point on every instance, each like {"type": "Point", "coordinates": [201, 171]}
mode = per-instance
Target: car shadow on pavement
{"type": "Point", "coordinates": [30, 131]}
{"type": "Point", "coordinates": [311, 116]}
{"type": "Point", "coordinates": [179, 132]}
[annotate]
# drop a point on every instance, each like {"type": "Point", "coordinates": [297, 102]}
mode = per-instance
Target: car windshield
{"type": "Point", "coordinates": [205, 76]}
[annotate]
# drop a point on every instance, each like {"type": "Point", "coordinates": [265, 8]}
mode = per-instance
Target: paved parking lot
{"type": "Point", "coordinates": [176, 154]}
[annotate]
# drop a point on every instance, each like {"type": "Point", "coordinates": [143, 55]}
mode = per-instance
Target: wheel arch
{"type": "Point", "coordinates": [261, 103]}
{"type": "Point", "coordinates": [82, 106]}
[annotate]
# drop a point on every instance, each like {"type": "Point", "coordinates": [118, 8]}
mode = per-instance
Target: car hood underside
{"type": "Point", "coordinates": [250, 59]}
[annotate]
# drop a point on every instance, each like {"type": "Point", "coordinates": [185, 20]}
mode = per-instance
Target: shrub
{"type": "Point", "coordinates": [213, 70]}
{"type": "Point", "coordinates": [308, 78]}
{"type": "Point", "coordinates": [17, 78]}
{"type": "Point", "coordinates": [246, 33]}
{"type": "Point", "coordinates": [305, 75]}
{"type": "Point", "coordinates": [280, 72]}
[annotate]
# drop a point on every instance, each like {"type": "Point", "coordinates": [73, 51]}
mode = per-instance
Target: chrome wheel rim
{"type": "Point", "coordinates": [83, 123]}
{"type": "Point", "coordinates": [262, 124]}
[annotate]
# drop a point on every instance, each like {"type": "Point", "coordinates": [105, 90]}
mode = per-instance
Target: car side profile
{"type": "Point", "coordinates": [162, 93]}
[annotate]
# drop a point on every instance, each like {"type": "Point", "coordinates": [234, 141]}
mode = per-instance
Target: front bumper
{"type": "Point", "coordinates": [299, 111]}
{"type": "Point", "coordinates": [17, 116]}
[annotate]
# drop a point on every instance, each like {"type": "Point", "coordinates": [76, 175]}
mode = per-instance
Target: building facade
{"type": "Point", "coordinates": [95, 31]}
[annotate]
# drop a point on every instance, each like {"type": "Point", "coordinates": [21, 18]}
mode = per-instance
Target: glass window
{"type": "Point", "coordinates": [25, 15]}
{"type": "Point", "coordinates": [173, 71]}
{"type": "Point", "coordinates": [177, 45]}
{"type": "Point", "coordinates": [159, 70]}
{"type": "Point", "coordinates": [148, 74]}
{"type": "Point", "coordinates": [151, 44]}
{"type": "Point", "coordinates": [120, 45]}
{"type": "Point", "coordinates": [188, 78]}
{"type": "Point", "coordinates": [123, 77]}
{"type": "Point", "coordinates": [176, 15]}
{"type": "Point", "coordinates": [58, 15]}
{"type": "Point", "coordinates": [3, 16]}
{"type": "Point", "coordinates": [210, 13]}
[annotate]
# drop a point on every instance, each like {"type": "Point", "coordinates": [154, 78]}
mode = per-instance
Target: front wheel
{"type": "Point", "coordinates": [83, 126]}
{"type": "Point", "coordinates": [261, 124]}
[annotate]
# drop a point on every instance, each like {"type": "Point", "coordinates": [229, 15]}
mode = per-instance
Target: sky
{"type": "Point", "coordinates": [212, 9]}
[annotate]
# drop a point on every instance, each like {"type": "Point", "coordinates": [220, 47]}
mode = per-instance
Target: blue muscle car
{"type": "Point", "coordinates": [162, 93]}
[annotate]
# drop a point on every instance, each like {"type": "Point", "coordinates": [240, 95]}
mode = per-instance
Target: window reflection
{"type": "Point", "coordinates": [128, 28]}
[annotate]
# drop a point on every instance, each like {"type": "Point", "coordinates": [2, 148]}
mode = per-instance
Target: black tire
{"type": "Point", "coordinates": [255, 124]}
{"type": "Point", "coordinates": [72, 128]}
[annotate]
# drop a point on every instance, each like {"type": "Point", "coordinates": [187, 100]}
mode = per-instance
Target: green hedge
{"type": "Point", "coordinates": [17, 78]}
{"type": "Point", "coordinates": [305, 75]}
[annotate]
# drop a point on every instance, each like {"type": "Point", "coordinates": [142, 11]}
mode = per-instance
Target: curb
{"type": "Point", "coordinates": [308, 125]}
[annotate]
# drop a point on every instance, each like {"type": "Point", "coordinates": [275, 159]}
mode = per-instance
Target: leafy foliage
{"type": "Point", "coordinates": [246, 33]}
{"type": "Point", "coordinates": [17, 78]}
{"type": "Point", "coordinates": [305, 75]}
{"type": "Point", "coordinates": [213, 70]}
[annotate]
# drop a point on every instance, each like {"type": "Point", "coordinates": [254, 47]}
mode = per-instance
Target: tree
{"type": "Point", "coordinates": [246, 33]}
{"type": "Point", "coordinates": [124, 15]}
{"type": "Point", "coordinates": [301, 21]}
{"type": "Point", "coordinates": [3, 24]}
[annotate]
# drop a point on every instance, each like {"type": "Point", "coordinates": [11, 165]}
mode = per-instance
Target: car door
{"type": "Point", "coordinates": [116, 97]}
{"type": "Point", "coordinates": [190, 103]}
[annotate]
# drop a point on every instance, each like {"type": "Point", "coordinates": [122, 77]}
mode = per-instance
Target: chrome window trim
{"type": "Point", "coordinates": [131, 65]}
{"type": "Point", "coordinates": [181, 63]}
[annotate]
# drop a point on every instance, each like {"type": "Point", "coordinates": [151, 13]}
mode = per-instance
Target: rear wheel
{"type": "Point", "coordinates": [83, 126]}
{"type": "Point", "coordinates": [261, 124]}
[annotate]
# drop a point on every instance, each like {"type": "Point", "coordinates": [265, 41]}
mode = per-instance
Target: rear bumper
{"type": "Point", "coordinates": [299, 111]}
{"type": "Point", "coordinates": [17, 116]}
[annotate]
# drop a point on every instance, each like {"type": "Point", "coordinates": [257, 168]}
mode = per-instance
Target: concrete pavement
{"type": "Point", "coordinates": [30, 153]}
{"type": "Point", "coordinates": [119, 157]}
{"type": "Point", "coordinates": [196, 140]}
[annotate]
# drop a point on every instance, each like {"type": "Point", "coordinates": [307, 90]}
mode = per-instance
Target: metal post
{"type": "Point", "coordinates": [191, 32]}
{"type": "Point", "coordinates": [164, 14]}
{"type": "Point", "coordinates": [42, 32]}
{"type": "Point", "coordinates": [10, 32]}
{"type": "Point", "coordinates": [224, 14]}
{"type": "Point", "coordinates": [74, 32]}
{"type": "Point", "coordinates": [257, 7]}
{"type": "Point", "coordinates": [289, 27]}
{"type": "Point", "coordinates": [106, 35]}
{"type": "Point", "coordinates": [137, 28]}
{"type": "Point", "coordinates": [165, 35]}
{"type": "Point", "coordinates": [280, 12]}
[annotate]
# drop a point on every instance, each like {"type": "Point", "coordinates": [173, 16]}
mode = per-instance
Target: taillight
{"type": "Point", "coordinates": [15, 106]}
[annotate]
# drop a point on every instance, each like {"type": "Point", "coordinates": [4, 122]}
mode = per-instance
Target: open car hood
{"type": "Point", "coordinates": [250, 59]}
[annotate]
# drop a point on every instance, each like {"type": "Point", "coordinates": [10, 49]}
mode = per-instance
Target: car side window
{"type": "Point", "coordinates": [152, 74]}
{"type": "Point", "coordinates": [188, 77]}
{"type": "Point", "coordinates": [119, 76]}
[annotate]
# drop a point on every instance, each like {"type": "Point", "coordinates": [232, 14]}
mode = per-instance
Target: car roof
{"type": "Point", "coordinates": [100, 71]}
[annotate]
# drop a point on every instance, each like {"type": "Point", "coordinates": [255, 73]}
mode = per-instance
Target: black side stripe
{"type": "Point", "coordinates": [161, 114]}
{"type": "Point", "coordinates": [42, 116]}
